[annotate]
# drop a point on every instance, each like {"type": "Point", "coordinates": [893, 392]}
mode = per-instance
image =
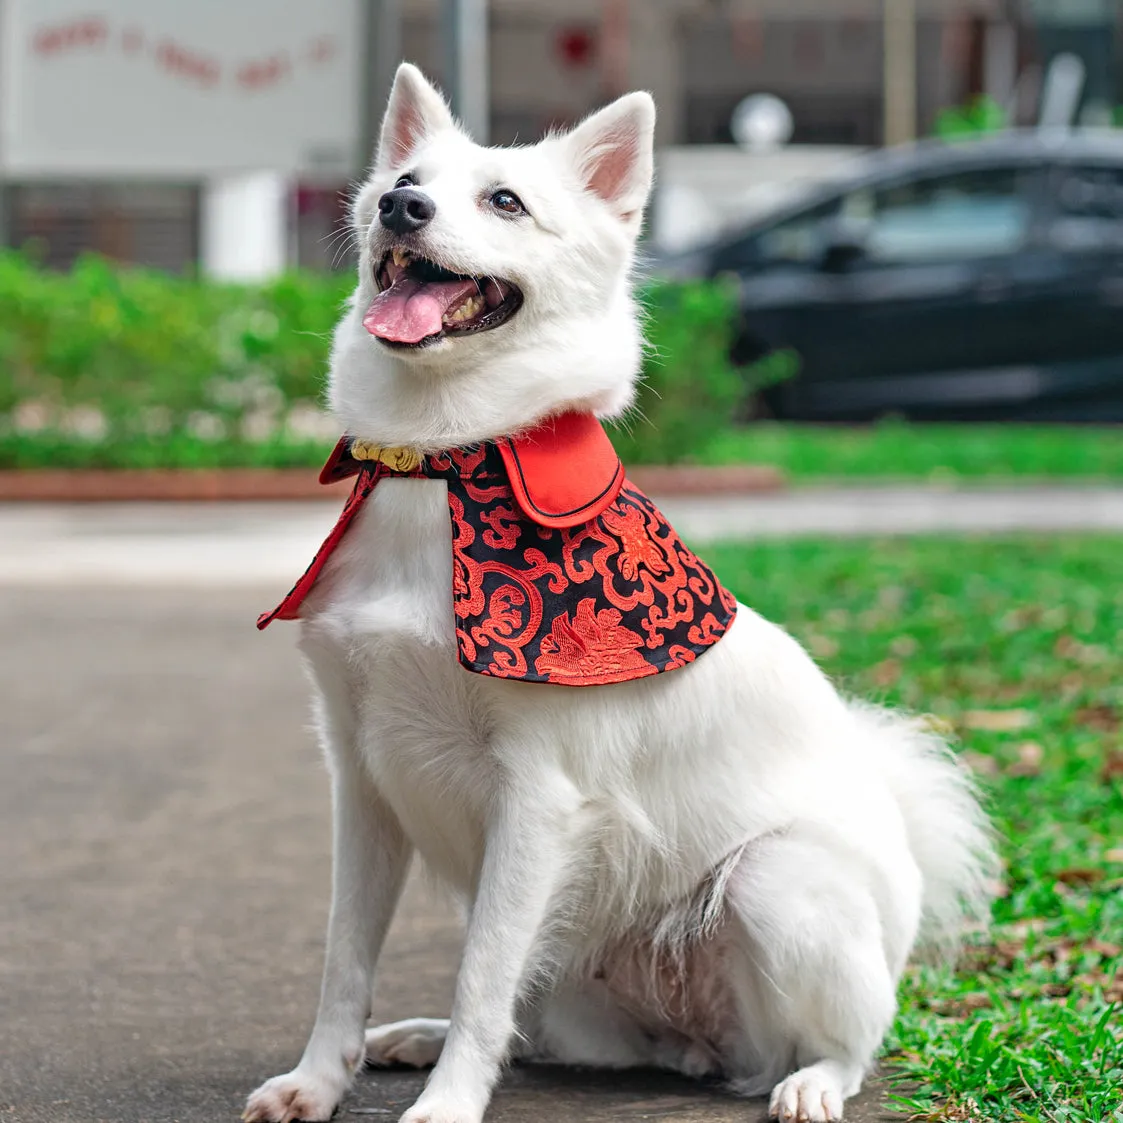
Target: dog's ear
{"type": "Point", "coordinates": [416, 110]}
{"type": "Point", "coordinates": [613, 152]}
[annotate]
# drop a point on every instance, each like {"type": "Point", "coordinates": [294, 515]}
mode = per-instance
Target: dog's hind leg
{"type": "Point", "coordinates": [574, 1023]}
{"type": "Point", "coordinates": [580, 1023]}
{"type": "Point", "coordinates": [820, 939]}
{"type": "Point", "coordinates": [416, 1042]}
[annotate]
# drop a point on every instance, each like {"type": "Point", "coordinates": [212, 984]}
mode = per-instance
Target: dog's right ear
{"type": "Point", "coordinates": [415, 111]}
{"type": "Point", "coordinates": [612, 152]}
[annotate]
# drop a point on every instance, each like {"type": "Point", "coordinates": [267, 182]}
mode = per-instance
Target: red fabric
{"type": "Point", "coordinates": [576, 584]}
{"type": "Point", "coordinates": [617, 598]}
{"type": "Point", "coordinates": [341, 464]}
{"type": "Point", "coordinates": [565, 472]}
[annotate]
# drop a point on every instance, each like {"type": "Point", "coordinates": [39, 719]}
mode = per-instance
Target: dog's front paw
{"type": "Point", "coordinates": [807, 1096]}
{"type": "Point", "coordinates": [294, 1096]}
{"type": "Point", "coordinates": [439, 1110]}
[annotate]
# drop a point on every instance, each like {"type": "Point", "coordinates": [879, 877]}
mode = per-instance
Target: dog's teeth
{"type": "Point", "coordinates": [401, 257]}
{"type": "Point", "coordinates": [471, 307]}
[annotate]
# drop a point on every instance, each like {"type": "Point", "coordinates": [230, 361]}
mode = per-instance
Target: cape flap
{"type": "Point", "coordinates": [289, 608]}
{"type": "Point", "coordinates": [564, 472]}
{"type": "Point", "coordinates": [341, 464]}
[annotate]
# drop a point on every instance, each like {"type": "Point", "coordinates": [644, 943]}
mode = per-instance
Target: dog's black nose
{"type": "Point", "coordinates": [405, 209]}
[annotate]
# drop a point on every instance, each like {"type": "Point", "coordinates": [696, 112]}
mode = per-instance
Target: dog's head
{"type": "Point", "coordinates": [493, 282]}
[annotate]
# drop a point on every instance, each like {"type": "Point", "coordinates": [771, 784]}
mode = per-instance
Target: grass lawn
{"type": "Point", "coordinates": [808, 454]}
{"type": "Point", "coordinates": [938, 453]}
{"type": "Point", "coordinates": [1017, 644]}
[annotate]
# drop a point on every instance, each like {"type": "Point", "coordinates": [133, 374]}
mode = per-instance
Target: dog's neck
{"type": "Point", "coordinates": [486, 396]}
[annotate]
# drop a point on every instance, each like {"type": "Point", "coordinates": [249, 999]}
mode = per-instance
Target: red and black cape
{"type": "Point", "coordinates": [563, 571]}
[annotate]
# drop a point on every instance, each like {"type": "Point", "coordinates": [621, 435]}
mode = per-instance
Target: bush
{"type": "Point", "coordinates": [106, 354]}
{"type": "Point", "coordinates": [115, 366]}
{"type": "Point", "coordinates": [690, 389]}
{"type": "Point", "coordinates": [980, 117]}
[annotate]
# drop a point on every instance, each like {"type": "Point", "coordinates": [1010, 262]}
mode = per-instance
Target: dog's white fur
{"type": "Point", "coordinates": [722, 869]}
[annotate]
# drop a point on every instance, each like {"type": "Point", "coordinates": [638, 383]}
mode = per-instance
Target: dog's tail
{"type": "Point", "coordinates": [948, 831]}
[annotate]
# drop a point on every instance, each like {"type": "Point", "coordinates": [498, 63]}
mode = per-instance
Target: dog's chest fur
{"type": "Point", "coordinates": [380, 623]}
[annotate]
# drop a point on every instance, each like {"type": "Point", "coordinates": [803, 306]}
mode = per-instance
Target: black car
{"type": "Point", "coordinates": [980, 279]}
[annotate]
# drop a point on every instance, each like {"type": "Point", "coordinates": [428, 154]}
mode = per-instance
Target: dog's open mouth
{"type": "Point", "coordinates": [419, 302]}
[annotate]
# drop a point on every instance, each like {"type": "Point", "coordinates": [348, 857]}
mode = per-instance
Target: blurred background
{"type": "Point", "coordinates": [868, 208]}
{"type": "Point", "coordinates": [128, 124]}
{"type": "Point", "coordinates": [883, 272]}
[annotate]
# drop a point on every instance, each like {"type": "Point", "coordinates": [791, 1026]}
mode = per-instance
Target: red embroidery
{"type": "Point", "coordinates": [595, 646]}
{"type": "Point", "coordinates": [615, 598]}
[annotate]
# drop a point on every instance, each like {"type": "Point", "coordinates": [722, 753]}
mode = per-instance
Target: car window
{"type": "Point", "coordinates": [944, 218]}
{"type": "Point", "coordinates": [1089, 206]}
{"type": "Point", "coordinates": [798, 240]}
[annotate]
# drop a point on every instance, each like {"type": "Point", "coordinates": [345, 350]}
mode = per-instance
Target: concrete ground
{"type": "Point", "coordinates": [262, 544]}
{"type": "Point", "coordinates": [164, 874]}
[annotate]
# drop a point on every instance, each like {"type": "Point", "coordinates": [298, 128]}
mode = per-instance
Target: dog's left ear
{"type": "Point", "coordinates": [613, 152]}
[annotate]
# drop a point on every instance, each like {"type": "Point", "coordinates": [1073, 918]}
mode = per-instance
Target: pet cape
{"type": "Point", "coordinates": [562, 570]}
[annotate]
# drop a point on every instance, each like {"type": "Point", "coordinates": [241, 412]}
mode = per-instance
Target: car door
{"type": "Point", "coordinates": [783, 292]}
{"type": "Point", "coordinates": [926, 299]}
{"type": "Point", "coordinates": [1082, 352]}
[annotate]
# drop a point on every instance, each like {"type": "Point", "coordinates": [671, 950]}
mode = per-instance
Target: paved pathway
{"type": "Point", "coordinates": [163, 889]}
{"type": "Point", "coordinates": [263, 544]}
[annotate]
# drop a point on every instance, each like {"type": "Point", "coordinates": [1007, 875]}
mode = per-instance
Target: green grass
{"type": "Point", "coordinates": [808, 454]}
{"type": "Point", "coordinates": [1016, 644]}
{"type": "Point", "coordinates": [938, 453]}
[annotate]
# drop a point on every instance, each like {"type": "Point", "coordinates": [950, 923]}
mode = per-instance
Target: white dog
{"type": "Point", "coordinates": [717, 870]}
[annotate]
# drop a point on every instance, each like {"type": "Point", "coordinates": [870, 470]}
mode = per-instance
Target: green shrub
{"type": "Point", "coordinates": [108, 354]}
{"type": "Point", "coordinates": [981, 116]}
{"type": "Point", "coordinates": [108, 366]}
{"type": "Point", "coordinates": [689, 390]}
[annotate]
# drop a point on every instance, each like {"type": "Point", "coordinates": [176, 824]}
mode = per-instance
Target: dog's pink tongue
{"type": "Point", "coordinates": [409, 310]}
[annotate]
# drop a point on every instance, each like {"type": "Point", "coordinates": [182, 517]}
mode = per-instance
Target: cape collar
{"type": "Point", "coordinates": [563, 472]}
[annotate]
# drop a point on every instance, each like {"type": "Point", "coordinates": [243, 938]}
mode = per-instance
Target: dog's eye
{"type": "Point", "coordinates": [507, 202]}
{"type": "Point", "coordinates": [405, 181]}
